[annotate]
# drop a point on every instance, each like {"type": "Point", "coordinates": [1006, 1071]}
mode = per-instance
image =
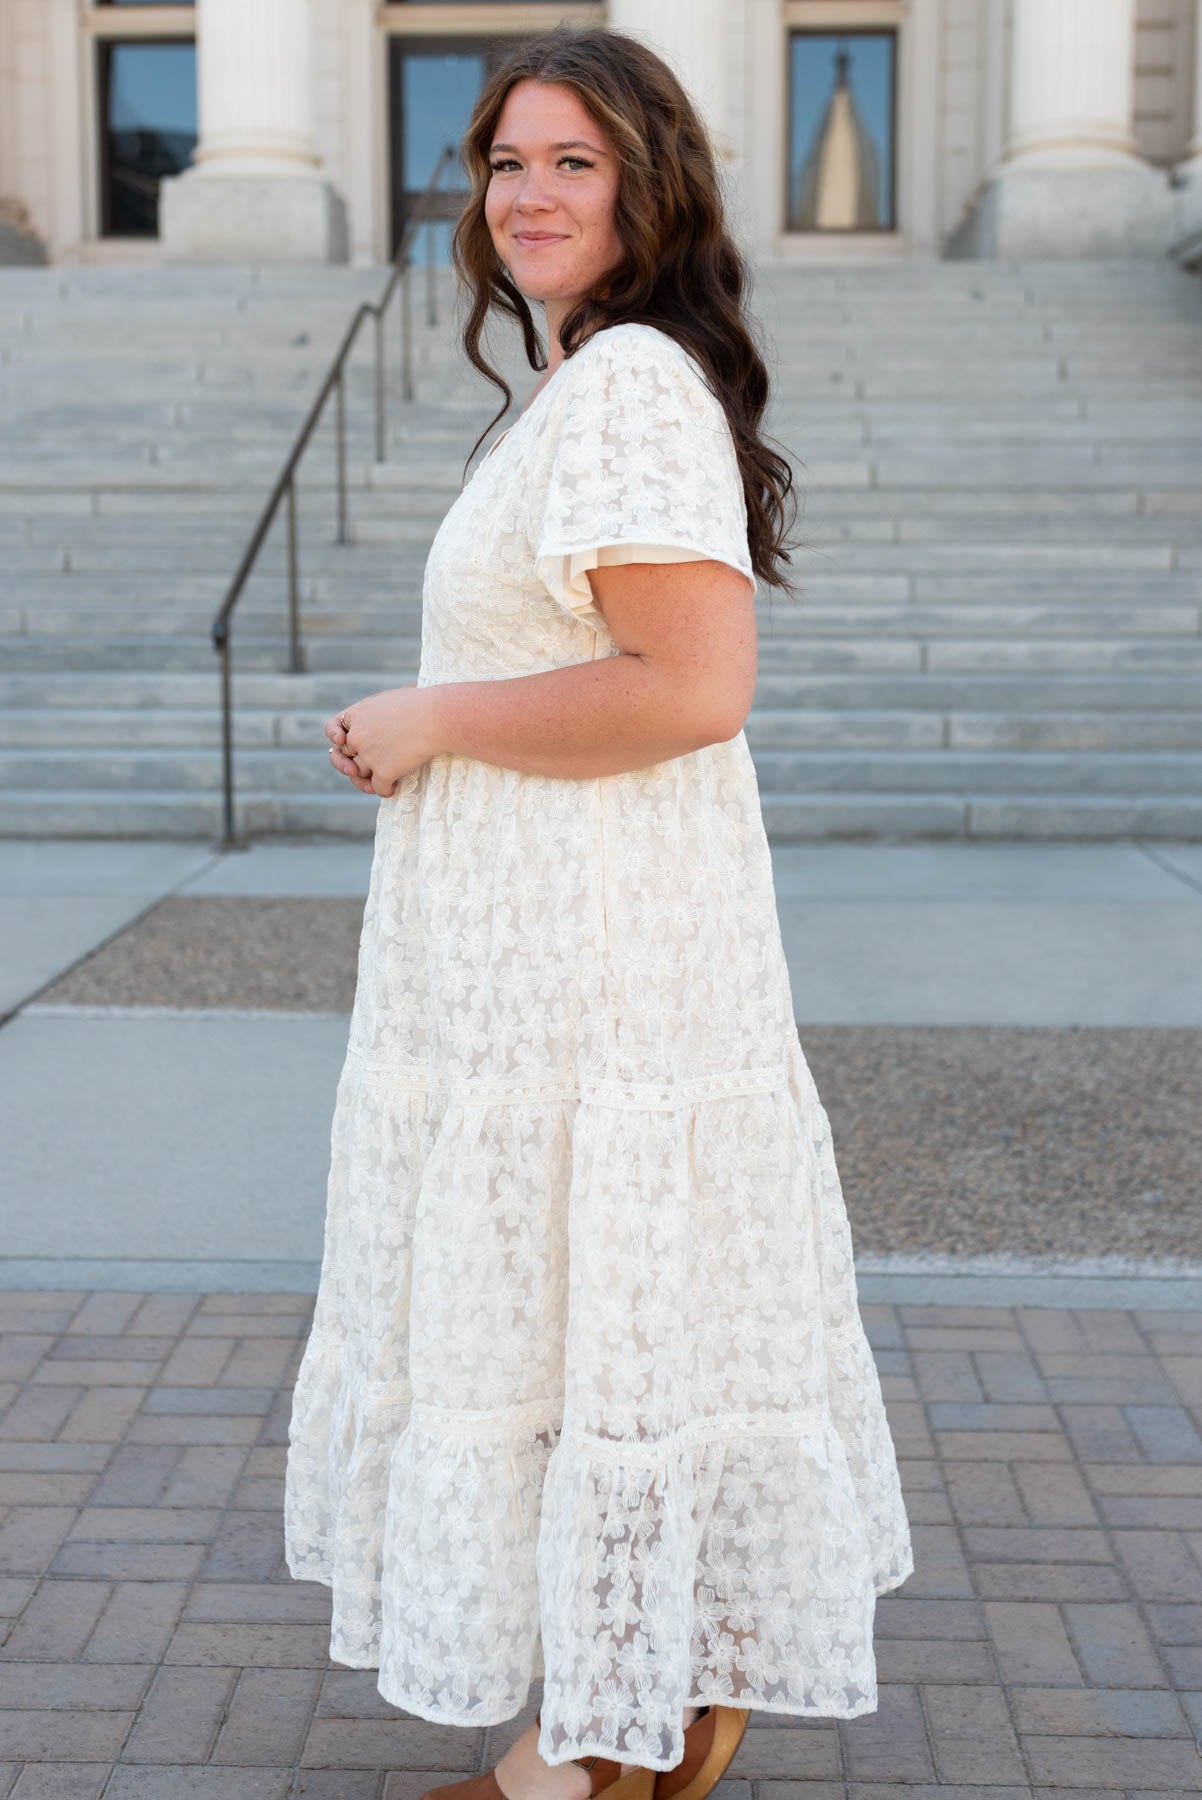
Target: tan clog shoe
{"type": "Point", "coordinates": [709, 1746]}
{"type": "Point", "coordinates": [606, 1778]}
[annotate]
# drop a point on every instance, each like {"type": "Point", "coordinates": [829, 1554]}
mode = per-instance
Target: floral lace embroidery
{"type": "Point", "coordinates": [587, 1395]}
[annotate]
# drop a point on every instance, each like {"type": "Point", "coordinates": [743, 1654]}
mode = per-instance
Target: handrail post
{"type": "Point", "coordinates": [340, 449]}
{"type": "Point", "coordinates": [379, 324]}
{"type": "Point", "coordinates": [406, 331]}
{"type": "Point", "coordinates": [431, 312]}
{"type": "Point", "coordinates": [228, 838]}
{"type": "Point", "coordinates": [295, 664]}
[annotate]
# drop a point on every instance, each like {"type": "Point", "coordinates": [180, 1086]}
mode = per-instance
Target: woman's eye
{"type": "Point", "coordinates": [507, 162]}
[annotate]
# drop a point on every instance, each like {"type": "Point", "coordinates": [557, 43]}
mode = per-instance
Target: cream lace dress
{"type": "Point", "coordinates": [587, 1394]}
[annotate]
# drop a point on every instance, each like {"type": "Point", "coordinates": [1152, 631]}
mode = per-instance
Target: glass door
{"type": "Point", "coordinates": [146, 94]}
{"type": "Point", "coordinates": [433, 85]}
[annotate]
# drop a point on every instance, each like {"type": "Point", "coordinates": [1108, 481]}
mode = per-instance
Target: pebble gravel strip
{"type": "Point", "coordinates": [951, 1140]}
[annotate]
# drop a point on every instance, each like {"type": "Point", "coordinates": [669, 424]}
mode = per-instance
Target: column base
{"type": "Point", "coordinates": [1186, 247]}
{"type": "Point", "coordinates": [1046, 213]}
{"type": "Point", "coordinates": [251, 218]}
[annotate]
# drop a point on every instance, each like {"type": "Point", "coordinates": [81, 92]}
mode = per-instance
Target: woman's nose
{"type": "Point", "coordinates": [533, 191]}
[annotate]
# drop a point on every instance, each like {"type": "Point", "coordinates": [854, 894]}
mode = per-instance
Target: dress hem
{"type": "Point", "coordinates": [593, 1746]}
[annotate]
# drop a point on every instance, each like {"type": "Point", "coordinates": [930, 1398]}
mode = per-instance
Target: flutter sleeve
{"type": "Point", "coordinates": [642, 468]}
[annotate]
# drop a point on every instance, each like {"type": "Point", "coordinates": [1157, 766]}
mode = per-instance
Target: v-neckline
{"type": "Point", "coordinates": [547, 385]}
{"type": "Point", "coordinates": [529, 407]}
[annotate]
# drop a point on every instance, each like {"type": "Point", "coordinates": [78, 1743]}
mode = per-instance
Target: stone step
{"type": "Point", "coordinates": [1052, 373]}
{"type": "Point", "coordinates": [175, 728]}
{"type": "Point", "coordinates": [182, 770]}
{"type": "Point", "coordinates": [166, 507]}
{"type": "Point", "coordinates": [776, 728]}
{"type": "Point", "coordinates": [165, 813]}
{"type": "Point", "coordinates": [372, 521]}
{"type": "Point", "coordinates": [894, 771]}
{"type": "Point", "coordinates": [789, 818]}
{"type": "Point", "coordinates": [919, 692]}
{"type": "Point", "coordinates": [350, 584]}
{"type": "Point", "coordinates": [403, 550]}
{"type": "Point", "coordinates": [767, 728]}
{"type": "Point", "coordinates": [268, 618]}
{"type": "Point", "coordinates": [160, 814]}
{"type": "Point", "coordinates": [790, 654]}
{"type": "Point", "coordinates": [174, 653]}
{"type": "Point", "coordinates": [967, 467]}
{"type": "Point", "coordinates": [979, 772]}
{"type": "Point", "coordinates": [1175, 585]}
{"type": "Point", "coordinates": [1001, 578]}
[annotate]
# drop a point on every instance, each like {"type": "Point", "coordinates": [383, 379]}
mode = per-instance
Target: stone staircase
{"type": "Point", "coordinates": [1000, 631]}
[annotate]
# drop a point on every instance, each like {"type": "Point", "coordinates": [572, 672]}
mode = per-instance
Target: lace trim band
{"type": "Point", "coordinates": [640, 1096]}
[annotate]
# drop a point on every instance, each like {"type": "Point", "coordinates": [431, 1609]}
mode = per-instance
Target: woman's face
{"type": "Point", "coordinates": [551, 196]}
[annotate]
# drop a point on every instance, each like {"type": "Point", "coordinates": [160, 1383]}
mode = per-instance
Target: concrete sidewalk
{"type": "Point", "coordinates": [194, 1148]}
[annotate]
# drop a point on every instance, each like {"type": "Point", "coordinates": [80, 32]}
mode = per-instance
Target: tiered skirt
{"type": "Point", "coordinates": [588, 1397]}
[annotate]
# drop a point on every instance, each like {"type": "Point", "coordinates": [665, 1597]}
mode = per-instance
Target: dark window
{"type": "Point", "coordinates": [147, 128]}
{"type": "Point", "coordinates": [841, 146]}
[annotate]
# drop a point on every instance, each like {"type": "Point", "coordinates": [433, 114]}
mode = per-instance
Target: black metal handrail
{"type": "Point", "coordinates": [335, 379]}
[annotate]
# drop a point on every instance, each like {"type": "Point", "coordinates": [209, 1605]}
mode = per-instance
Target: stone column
{"type": "Point", "coordinates": [255, 191]}
{"type": "Point", "coordinates": [1071, 84]}
{"type": "Point", "coordinates": [1070, 181]}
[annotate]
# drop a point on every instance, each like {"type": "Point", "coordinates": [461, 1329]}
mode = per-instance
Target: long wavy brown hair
{"type": "Point", "coordinates": [681, 270]}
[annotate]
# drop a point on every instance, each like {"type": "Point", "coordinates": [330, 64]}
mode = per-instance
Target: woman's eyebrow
{"type": "Point", "coordinates": [571, 144]}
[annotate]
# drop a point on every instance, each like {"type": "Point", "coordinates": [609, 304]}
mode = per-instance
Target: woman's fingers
{"type": "Point", "coordinates": [346, 765]}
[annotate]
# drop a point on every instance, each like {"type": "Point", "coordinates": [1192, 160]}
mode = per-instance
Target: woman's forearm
{"type": "Point", "coordinates": [603, 717]}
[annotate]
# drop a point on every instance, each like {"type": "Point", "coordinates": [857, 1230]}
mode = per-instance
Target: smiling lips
{"type": "Point", "coordinates": [534, 240]}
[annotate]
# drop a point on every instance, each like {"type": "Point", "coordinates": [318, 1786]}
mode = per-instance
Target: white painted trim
{"type": "Point", "coordinates": [417, 20]}
{"type": "Point", "coordinates": [380, 139]}
{"type": "Point", "coordinates": [141, 21]}
{"type": "Point", "coordinates": [920, 129]}
{"type": "Point", "coordinates": [70, 102]}
{"type": "Point", "coordinates": [915, 128]}
{"type": "Point", "coordinates": [843, 15]}
{"type": "Point", "coordinates": [996, 62]}
{"type": "Point", "coordinates": [837, 247]}
{"type": "Point", "coordinates": [363, 102]}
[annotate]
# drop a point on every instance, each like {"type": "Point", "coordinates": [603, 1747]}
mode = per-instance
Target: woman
{"type": "Point", "coordinates": [587, 1393]}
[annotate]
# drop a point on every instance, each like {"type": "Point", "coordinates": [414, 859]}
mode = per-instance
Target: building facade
{"type": "Point", "coordinates": [234, 130]}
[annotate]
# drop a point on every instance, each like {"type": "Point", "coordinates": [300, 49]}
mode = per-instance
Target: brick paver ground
{"type": "Point", "coordinates": [154, 1645]}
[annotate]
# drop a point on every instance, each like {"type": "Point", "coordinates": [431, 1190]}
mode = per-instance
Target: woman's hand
{"type": "Point", "coordinates": [382, 738]}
